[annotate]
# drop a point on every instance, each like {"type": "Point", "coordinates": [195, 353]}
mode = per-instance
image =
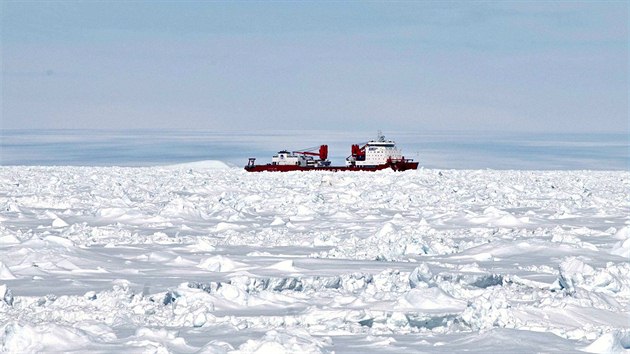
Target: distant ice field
{"type": "Point", "coordinates": [207, 258]}
{"type": "Point", "coordinates": [452, 150]}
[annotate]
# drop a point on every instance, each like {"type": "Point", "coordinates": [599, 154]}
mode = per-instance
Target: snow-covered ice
{"type": "Point", "coordinates": [206, 258]}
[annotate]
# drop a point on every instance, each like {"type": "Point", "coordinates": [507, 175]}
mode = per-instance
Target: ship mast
{"type": "Point", "coordinates": [379, 136]}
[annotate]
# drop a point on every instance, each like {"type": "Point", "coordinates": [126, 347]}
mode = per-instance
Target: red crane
{"type": "Point", "coordinates": [358, 151]}
{"type": "Point", "coordinates": [322, 153]}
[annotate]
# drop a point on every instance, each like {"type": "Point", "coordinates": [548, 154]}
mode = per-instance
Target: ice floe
{"type": "Point", "coordinates": [210, 259]}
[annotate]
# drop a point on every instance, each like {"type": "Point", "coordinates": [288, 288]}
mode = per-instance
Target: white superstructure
{"type": "Point", "coordinates": [374, 153]}
{"type": "Point", "coordinates": [285, 157]}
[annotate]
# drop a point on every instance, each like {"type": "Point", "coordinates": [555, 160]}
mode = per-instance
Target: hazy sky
{"type": "Point", "coordinates": [504, 66]}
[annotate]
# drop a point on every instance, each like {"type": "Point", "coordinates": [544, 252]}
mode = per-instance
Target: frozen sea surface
{"type": "Point", "coordinates": [207, 259]}
{"type": "Point", "coordinates": [523, 151]}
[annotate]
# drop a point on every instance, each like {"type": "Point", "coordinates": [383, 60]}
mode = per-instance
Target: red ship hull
{"type": "Point", "coordinates": [396, 166]}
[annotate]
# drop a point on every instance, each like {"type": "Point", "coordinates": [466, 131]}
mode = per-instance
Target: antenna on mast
{"type": "Point", "coordinates": [380, 137]}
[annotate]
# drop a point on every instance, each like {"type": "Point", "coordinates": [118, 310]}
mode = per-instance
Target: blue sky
{"type": "Point", "coordinates": [479, 66]}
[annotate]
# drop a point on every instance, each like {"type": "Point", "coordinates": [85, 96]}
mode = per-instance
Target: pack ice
{"type": "Point", "coordinates": [191, 259]}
